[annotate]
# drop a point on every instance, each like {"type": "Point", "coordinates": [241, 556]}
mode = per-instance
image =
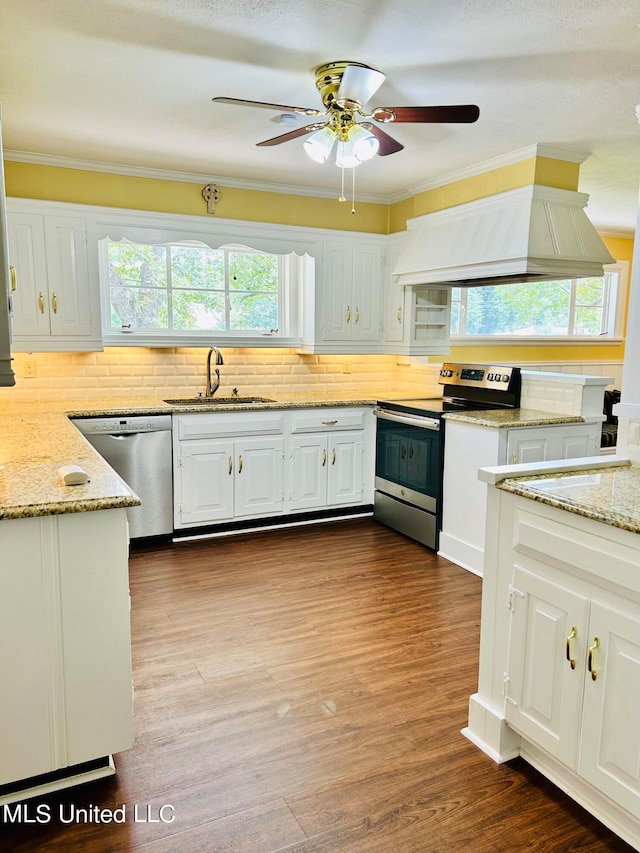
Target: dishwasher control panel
{"type": "Point", "coordinates": [117, 425]}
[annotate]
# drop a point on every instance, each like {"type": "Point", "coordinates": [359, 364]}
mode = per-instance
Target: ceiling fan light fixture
{"type": "Point", "coordinates": [318, 146]}
{"type": "Point", "coordinates": [365, 144]}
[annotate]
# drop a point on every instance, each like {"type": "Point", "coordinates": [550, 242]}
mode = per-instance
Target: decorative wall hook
{"type": "Point", "coordinates": [211, 194]}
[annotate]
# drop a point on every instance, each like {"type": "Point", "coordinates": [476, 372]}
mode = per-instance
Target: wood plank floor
{"type": "Point", "coordinates": [303, 691]}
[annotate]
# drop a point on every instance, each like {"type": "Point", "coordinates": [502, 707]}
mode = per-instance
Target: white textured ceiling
{"type": "Point", "coordinates": [131, 81]}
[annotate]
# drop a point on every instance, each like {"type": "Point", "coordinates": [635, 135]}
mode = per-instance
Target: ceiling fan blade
{"type": "Point", "coordinates": [307, 111]}
{"type": "Point", "coordinates": [465, 113]}
{"type": "Point", "coordinates": [359, 83]}
{"type": "Point", "coordinates": [293, 134]}
{"type": "Point", "coordinates": [388, 145]}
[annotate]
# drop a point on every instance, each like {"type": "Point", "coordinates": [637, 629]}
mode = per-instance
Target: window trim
{"type": "Point", "coordinates": [616, 323]}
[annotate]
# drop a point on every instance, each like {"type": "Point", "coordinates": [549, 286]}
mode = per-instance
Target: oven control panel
{"type": "Point", "coordinates": [497, 377]}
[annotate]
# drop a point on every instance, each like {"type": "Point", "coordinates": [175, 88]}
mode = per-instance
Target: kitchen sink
{"type": "Point", "coordinates": [217, 401]}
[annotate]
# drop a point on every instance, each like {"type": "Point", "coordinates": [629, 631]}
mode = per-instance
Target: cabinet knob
{"type": "Point", "coordinates": [41, 302]}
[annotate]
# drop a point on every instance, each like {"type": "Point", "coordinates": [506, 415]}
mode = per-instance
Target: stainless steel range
{"type": "Point", "coordinates": [410, 444]}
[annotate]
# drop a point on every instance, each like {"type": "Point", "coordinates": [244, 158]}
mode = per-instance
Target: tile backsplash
{"type": "Point", "coordinates": [146, 372]}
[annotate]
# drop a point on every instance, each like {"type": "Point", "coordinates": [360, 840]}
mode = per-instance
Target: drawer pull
{"type": "Point", "coordinates": [572, 635]}
{"type": "Point", "coordinates": [329, 423]}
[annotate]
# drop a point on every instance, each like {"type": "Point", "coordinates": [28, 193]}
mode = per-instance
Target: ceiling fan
{"type": "Point", "coordinates": [345, 87]}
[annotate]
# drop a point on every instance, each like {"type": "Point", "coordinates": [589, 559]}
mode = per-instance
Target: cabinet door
{"type": "Point", "coordinates": [205, 482]}
{"type": "Point", "coordinates": [544, 688]}
{"type": "Point", "coordinates": [393, 302]}
{"type": "Point", "coordinates": [337, 291]}
{"type": "Point", "coordinates": [309, 473]}
{"type": "Point", "coordinates": [344, 485]}
{"type": "Point", "coordinates": [366, 319]}
{"type": "Point", "coordinates": [610, 742]}
{"type": "Point", "coordinates": [528, 445]}
{"type": "Point", "coordinates": [259, 476]}
{"type": "Point", "coordinates": [27, 255]}
{"type": "Point", "coordinates": [68, 276]}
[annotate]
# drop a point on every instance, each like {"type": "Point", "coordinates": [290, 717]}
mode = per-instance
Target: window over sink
{"type": "Point", "coordinates": [187, 287]}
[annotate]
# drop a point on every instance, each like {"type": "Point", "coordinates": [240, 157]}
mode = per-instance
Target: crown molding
{"type": "Point", "coordinates": [615, 232]}
{"type": "Point", "coordinates": [172, 175]}
{"type": "Point", "coordinates": [540, 149]}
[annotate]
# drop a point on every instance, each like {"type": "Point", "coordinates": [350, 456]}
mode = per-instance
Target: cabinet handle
{"type": "Point", "coordinates": [12, 272]}
{"type": "Point", "coordinates": [357, 314]}
{"type": "Point", "coordinates": [333, 456]}
{"type": "Point", "coordinates": [403, 452]}
{"type": "Point", "coordinates": [41, 302]}
{"type": "Point", "coordinates": [590, 666]}
{"type": "Point", "coordinates": [411, 451]}
{"type": "Point", "coordinates": [54, 303]}
{"type": "Point", "coordinates": [348, 313]}
{"type": "Point", "coordinates": [399, 314]}
{"type": "Point", "coordinates": [324, 456]}
{"type": "Point", "coordinates": [240, 464]}
{"type": "Point", "coordinates": [329, 423]}
{"type": "Point", "coordinates": [514, 459]}
{"type": "Point", "coordinates": [572, 635]}
{"type": "Point", "coordinates": [230, 464]}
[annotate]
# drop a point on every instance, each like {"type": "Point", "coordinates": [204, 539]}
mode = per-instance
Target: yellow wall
{"type": "Point", "coordinates": [88, 187]}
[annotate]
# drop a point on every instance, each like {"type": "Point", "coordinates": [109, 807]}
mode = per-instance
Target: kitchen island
{"type": "Point", "coordinates": [559, 678]}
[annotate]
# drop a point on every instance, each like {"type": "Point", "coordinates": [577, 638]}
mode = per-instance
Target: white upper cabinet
{"type": "Point", "coordinates": [55, 305]}
{"type": "Point", "coordinates": [344, 308]}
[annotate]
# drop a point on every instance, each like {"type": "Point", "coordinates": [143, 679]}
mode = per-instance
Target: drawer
{"type": "Point", "coordinates": [214, 425]}
{"type": "Point", "coordinates": [327, 420]}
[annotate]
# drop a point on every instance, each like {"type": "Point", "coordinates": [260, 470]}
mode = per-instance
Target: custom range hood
{"type": "Point", "coordinates": [531, 233]}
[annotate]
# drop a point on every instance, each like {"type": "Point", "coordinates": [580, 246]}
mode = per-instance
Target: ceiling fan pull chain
{"type": "Point", "coordinates": [342, 195]}
{"type": "Point", "coordinates": [353, 190]}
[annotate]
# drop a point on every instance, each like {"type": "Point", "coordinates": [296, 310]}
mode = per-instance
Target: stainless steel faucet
{"type": "Point", "coordinates": [212, 388]}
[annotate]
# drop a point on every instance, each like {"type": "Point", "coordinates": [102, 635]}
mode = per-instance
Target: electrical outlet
{"type": "Point", "coordinates": [30, 368]}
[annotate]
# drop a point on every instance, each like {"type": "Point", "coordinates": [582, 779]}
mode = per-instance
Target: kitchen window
{"type": "Point", "coordinates": [188, 287]}
{"type": "Point", "coordinates": [568, 309]}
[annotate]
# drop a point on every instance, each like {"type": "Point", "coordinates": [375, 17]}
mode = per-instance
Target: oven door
{"type": "Point", "coordinates": [409, 458]}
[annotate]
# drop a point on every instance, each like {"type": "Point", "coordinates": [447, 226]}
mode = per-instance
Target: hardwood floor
{"type": "Point", "coordinates": [303, 691]}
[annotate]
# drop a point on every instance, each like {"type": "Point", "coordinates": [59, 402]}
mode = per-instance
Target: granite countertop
{"type": "Point", "coordinates": [36, 438]}
{"type": "Point", "coordinates": [505, 418]}
{"type": "Point", "coordinates": [610, 495]}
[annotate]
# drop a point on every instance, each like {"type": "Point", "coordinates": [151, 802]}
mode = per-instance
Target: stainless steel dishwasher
{"type": "Point", "coordinates": [138, 448]}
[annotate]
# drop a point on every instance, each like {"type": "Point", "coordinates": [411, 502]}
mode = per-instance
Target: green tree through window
{"type": "Point", "coordinates": [191, 287]}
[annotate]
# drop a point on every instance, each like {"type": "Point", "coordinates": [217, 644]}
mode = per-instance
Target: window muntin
{"type": "Point", "coordinates": [190, 287]}
{"type": "Point", "coordinates": [565, 308]}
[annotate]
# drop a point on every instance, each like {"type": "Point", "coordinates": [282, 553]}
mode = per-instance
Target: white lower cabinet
{"type": "Point", "coordinates": [262, 464]}
{"type": "Point", "coordinates": [327, 470]}
{"type": "Point", "coordinates": [572, 685]}
{"type": "Point", "coordinates": [65, 666]}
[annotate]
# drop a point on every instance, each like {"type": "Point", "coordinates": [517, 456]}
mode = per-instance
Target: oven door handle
{"type": "Point", "coordinates": [424, 423]}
